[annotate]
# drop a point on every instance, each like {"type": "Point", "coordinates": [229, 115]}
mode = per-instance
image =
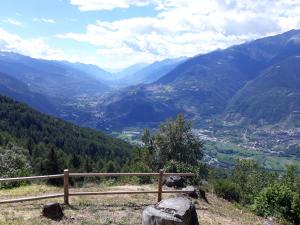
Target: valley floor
{"type": "Point", "coordinates": [114, 210]}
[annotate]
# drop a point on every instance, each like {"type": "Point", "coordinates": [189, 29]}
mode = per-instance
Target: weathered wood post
{"type": "Point", "coordinates": [66, 186]}
{"type": "Point", "coordinates": [160, 184]}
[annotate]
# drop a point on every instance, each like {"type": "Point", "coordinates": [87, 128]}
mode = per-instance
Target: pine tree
{"type": "Point", "coordinates": [52, 165]}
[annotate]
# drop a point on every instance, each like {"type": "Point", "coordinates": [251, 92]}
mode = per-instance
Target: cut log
{"type": "Point", "coordinates": [53, 211]}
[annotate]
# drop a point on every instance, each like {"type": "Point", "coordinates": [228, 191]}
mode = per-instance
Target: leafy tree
{"type": "Point", "coordinates": [174, 140]}
{"type": "Point", "coordinates": [250, 180]}
{"type": "Point", "coordinates": [147, 139]}
{"type": "Point", "coordinates": [88, 167]}
{"type": "Point", "coordinates": [111, 167]}
{"type": "Point", "coordinates": [290, 178]}
{"type": "Point", "coordinates": [1, 140]}
{"type": "Point", "coordinates": [75, 162]}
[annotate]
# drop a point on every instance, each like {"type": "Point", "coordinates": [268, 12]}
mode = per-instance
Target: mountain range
{"type": "Point", "coordinates": [253, 83]}
{"type": "Point", "coordinates": [54, 87]}
{"type": "Point", "coordinates": [53, 78]}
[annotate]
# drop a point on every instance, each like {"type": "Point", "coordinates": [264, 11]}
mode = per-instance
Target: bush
{"type": "Point", "coordinates": [13, 163]}
{"type": "Point", "coordinates": [200, 170]}
{"type": "Point", "coordinates": [278, 201]}
{"type": "Point", "coordinates": [227, 190]}
{"type": "Point", "coordinates": [138, 167]}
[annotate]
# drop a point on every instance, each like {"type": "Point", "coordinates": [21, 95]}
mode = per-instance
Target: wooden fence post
{"type": "Point", "coordinates": [66, 186]}
{"type": "Point", "coordinates": [160, 184]}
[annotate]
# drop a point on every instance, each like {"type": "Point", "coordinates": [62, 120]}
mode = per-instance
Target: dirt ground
{"type": "Point", "coordinates": [112, 209]}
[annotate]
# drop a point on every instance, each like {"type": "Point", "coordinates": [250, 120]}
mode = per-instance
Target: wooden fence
{"type": "Point", "coordinates": [66, 177]}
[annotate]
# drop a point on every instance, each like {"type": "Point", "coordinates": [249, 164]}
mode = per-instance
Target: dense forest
{"type": "Point", "coordinates": [39, 144]}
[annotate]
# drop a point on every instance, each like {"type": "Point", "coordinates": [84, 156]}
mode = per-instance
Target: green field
{"type": "Point", "coordinates": [228, 153]}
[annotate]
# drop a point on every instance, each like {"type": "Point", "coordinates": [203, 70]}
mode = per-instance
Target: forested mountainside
{"type": "Point", "coordinates": [20, 91]}
{"type": "Point", "coordinates": [204, 86]}
{"type": "Point", "coordinates": [272, 98]}
{"type": "Point", "coordinates": [50, 144]}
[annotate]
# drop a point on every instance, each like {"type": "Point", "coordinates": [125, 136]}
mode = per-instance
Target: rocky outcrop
{"type": "Point", "coordinates": [174, 211]}
{"type": "Point", "coordinates": [53, 211]}
{"type": "Point", "coordinates": [175, 181]}
{"type": "Point", "coordinates": [194, 193]}
{"type": "Point", "coordinates": [268, 221]}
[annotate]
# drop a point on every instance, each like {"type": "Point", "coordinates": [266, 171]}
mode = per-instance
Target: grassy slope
{"type": "Point", "coordinates": [116, 210]}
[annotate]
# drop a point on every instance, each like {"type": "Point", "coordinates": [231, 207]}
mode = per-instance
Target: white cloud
{"type": "Point", "coordinates": [182, 27]}
{"type": "Point", "coordinates": [36, 48]}
{"type": "Point", "coordinates": [43, 20]}
{"type": "Point", "coordinates": [93, 5]}
{"type": "Point", "coordinates": [12, 21]}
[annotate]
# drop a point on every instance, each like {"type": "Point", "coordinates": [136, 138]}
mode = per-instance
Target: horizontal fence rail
{"type": "Point", "coordinates": [31, 178]}
{"type": "Point", "coordinates": [66, 177]}
{"type": "Point", "coordinates": [127, 192]}
{"type": "Point", "coordinates": [31, 198]}
{"type": "Point", "coordinates": [127, 174]}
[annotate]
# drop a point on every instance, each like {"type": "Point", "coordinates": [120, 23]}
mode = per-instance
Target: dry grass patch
{"type": "Point", "coordinates": [112, 209]}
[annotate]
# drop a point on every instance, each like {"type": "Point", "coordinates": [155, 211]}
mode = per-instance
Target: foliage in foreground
{"type": "Point", "coordinates": [13, 163]}
{"type": "Point", "coordinates": [279, 201]}
{"type": "Point", "coordinates": [175, 148]}
{"type": "Point", "coordinates": [266, 193]}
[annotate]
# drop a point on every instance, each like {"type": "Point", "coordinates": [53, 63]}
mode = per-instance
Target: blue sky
{"type": "Point", "coordinates": [118, 33]}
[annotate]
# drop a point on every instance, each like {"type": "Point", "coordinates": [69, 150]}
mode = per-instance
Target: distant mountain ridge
{"type": "Point", "coordinates": [204, 86]}
{"type": "Point", "coordinates": [48, 86]}
{"type": "Point", "coordinates": [52, 78]}
{"type": "Point", "coordinates": [152, 72]}
{"type": "Point", "coordinates": [97, 72]}
{"type": "Point", "coordinates": [19, 91]}
{"type": "Point", "coordinates": [130, 70]}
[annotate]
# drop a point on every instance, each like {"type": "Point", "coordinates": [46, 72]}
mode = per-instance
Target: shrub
{"type": "Point", "coordinates": [227, 190]}
{"type": "Point", "coordinates": [200, 170]}
{"type": "Point", "coordinates": [13, 163]}
{"type": "Point", "coordinates": [279, 201]}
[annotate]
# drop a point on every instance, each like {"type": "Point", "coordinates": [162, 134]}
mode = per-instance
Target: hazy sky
{"type": "Point", "coordinates": [118, 33]}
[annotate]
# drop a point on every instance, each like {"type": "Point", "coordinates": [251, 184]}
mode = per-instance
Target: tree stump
{"type": "Point", "coordinates": [53, 211]}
